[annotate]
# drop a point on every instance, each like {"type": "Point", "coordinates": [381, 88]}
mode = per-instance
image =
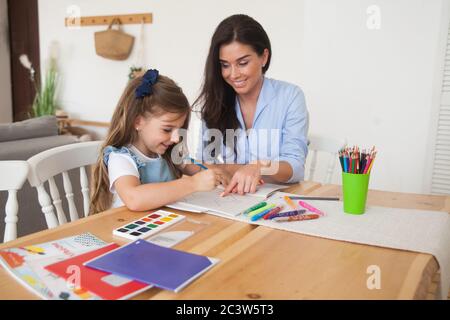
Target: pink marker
{"type": "Point", "coordinates": [310, 208]}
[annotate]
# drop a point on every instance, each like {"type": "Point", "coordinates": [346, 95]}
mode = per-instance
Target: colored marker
{"type": "Point", "coordinates": [310, 208]}
{"type": "Point", "coordinates": [273, 211]}
{"type": "Point", "coordinates": [299, 217]}
{"type": "Point", "coordinates": [289, 202]}
{"type": "Point", "coordinates": [287, 214]}
{"type": "Point", "coordinates": [262, 214]}
{"type": "Point", "coordinates": [255, 212]}
{"type": "Point", "coordinates": [259, 205]}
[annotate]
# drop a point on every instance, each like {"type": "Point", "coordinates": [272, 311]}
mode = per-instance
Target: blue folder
{"type": "Point", "coordinates": [149, 263]}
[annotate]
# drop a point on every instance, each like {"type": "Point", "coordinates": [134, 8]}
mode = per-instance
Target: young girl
{"type": "Point", "coordinates": [135, 168]}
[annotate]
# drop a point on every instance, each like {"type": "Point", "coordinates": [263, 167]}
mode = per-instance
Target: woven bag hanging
{"type": "Point", "coordinates": [112, 43]}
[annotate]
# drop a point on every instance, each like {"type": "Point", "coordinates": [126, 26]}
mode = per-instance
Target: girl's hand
{"type": "Point", "coordinates": [206, 180]}
{"type": "Point", "coordinates": [244, 180]}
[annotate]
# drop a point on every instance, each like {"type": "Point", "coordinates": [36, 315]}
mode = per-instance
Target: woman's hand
{"type": "Point", "coordinates": [244, 180]}
{"type": "Point", "coordinates": [206, 180]}
{"type": "Point", "coordinates": [224, 175]}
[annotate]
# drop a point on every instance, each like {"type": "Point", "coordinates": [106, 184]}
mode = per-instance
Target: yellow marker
{"type": "Point", "coordinates": [255, 212]}
{"type": "Point", "coordinates": [289, 202]}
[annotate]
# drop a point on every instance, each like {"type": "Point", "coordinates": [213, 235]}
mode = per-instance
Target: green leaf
{"type": "Point", "coordinates": [45, 101]}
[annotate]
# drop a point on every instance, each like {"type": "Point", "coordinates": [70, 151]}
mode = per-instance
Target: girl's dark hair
{"type": "Point", "coordinates": [217, 98]}
{"type": "Point", "coordinates": [166, 96]}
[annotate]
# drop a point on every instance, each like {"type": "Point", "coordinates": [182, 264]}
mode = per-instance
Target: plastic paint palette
{"type": "Point", "coordinates": [148, 225]}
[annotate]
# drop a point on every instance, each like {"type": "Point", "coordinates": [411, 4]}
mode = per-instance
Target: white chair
{"type": "Point", "coordinates": [13, 175]}
{"type": "Point", "coordinates": [328, 145]}
{"type": "Point", "coordinates": [47, 164]}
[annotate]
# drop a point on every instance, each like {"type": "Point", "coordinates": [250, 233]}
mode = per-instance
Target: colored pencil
{"type": "Point", "coordinates": [315, 198]}
{"type": "Point", "coordinates": [357, 161]}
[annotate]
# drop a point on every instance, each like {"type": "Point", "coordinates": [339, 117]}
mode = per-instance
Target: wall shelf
{"type": "Point", "coordinates": [106, 20]}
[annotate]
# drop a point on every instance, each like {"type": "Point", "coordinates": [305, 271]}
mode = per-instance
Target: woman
{"type": "Point", "coordinates": [259, 123]}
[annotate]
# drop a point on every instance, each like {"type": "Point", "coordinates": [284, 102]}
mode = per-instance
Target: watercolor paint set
{"type": "Point", "coordinates": [148, 225]}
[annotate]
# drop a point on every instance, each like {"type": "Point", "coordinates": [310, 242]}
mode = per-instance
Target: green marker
{"type": "Point", "coordinates": [255, 207]}
{"type": "Point", "coordinates": [255, 212]}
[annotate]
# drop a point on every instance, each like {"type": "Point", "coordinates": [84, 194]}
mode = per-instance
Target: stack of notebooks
{"type": "Point", "coordinates": [83, 267]}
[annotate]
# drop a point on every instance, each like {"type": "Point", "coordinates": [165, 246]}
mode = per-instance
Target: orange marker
{"type": "Point", "coordinates": [289, 202]}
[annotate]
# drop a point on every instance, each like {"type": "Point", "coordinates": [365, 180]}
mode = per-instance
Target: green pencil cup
{"type": "Point", "coordinates": [354, 188]}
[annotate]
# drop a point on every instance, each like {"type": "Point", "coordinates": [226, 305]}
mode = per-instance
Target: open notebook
{"type": "Point", "coordinates": [232, 204]}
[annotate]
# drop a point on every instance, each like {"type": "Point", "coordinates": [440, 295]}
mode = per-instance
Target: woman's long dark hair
{"type": "Point", "coordinates": [217, 98]}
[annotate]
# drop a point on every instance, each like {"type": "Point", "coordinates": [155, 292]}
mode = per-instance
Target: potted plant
{"type": "Point", "coordinates": [45, 100]}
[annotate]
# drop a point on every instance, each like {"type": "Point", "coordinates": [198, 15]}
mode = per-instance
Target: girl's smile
{"type": "Point", "coordinates": [156, 133]}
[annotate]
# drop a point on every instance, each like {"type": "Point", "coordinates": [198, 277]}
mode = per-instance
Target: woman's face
{"type": "Point", "coordinates": [242, 67]}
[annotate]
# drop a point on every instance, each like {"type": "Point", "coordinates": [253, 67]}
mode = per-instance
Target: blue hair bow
{"type": "Point", "coordinates": [148, 80]}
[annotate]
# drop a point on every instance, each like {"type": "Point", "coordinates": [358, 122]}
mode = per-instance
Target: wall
{"type": "Point", "coordinates": [5, 72]}
{"type": "Point", "coordinates": [372, 87]}
{"type": "Point", "coordinates": [176, 43]}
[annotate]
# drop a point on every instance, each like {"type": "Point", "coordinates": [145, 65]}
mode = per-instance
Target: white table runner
{"type": "Point", "coordinates": [405, 229]}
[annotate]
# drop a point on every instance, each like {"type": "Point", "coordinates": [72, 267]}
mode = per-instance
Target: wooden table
{"type": "Point", "coordinates": [262, 263]}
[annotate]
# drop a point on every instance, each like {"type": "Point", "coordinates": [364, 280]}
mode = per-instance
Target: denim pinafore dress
{"type": "Point", "coordinates": [156, 170]}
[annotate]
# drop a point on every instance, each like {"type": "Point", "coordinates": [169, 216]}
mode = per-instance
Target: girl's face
{"type": "Point", "coordinates": [242, 67]}
{"type": "Point", "coordinates": [157, 133]}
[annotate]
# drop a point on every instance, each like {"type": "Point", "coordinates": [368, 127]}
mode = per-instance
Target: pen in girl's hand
{"type": "Point", "coordinates": [198, 164]}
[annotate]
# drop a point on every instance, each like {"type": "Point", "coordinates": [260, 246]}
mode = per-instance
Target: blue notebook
{"type": "Point", "coordinates": [149, 263]}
